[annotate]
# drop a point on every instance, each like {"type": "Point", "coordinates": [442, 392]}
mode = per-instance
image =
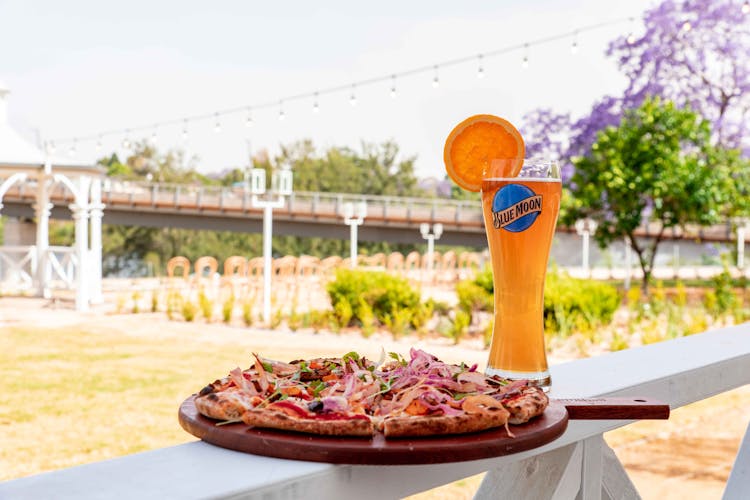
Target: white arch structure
{"type": "Point", "coordinates": [23, 162]}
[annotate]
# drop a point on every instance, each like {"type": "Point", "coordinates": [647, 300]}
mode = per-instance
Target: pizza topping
{"type": "Point", "coordinates": [244, 385]}
{"type": "Point", "coordinates": [421, 396]}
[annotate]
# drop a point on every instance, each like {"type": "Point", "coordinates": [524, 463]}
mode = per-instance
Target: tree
{"type": "Point", "coordinates": [659, 164]}
{"type": "Point", "coordinates": [692, 52]}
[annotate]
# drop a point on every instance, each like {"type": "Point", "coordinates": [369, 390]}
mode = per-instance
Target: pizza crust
{"type": "Point", "coordinates": [529, 404]}
{"type": "Point", "coordinates": [273, 419]}
{"type": "Point", "coordinates": [443, 424]}
{"type": "Point", "coordinates": [223, 405]}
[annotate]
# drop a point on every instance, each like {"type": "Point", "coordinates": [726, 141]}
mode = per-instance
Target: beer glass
{"type": "Point", "coordinates": [520, 214]}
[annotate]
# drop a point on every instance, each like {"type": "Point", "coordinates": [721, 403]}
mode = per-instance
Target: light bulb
{"type": "Point", "coordinates": [126, 140]}
{"type": "Point", "coordinates": [480, 68]}
{"type": "Point", "coordinates": [525, 62]}
{"type": "Point", "coordinates": [393, 87]}
{"type": "Point", "coordinates": [281, 111]}
{"type": "Point", "coordinates": [353, 97]}
{"type": "Point", "coordinates": [72, 149]}
{"type": "Point", "coordinates": [184, 131]}
{"type": "Point", "coordinates": [154, 137]}
{"type": "Point", "coordinates": [436, 79]}
{"type": "Point", "coordinates": [249, 119]}
{"type": "Point", "coordinates": [99, 143]}
{"type": "Point", "coordinates": [217, 125]}
{"type": "Point", "coordinates": [316, 106]}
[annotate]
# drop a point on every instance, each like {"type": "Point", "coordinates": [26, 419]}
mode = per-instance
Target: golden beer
{"type": "Point", "coordinates": [520, 215]}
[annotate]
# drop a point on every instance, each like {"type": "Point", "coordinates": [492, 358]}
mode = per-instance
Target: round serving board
{"type": "Point", "coordinates": [376, 450]}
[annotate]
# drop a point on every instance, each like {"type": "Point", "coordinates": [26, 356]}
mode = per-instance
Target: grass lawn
{"type": "Point", "coordinates": [75, 396]}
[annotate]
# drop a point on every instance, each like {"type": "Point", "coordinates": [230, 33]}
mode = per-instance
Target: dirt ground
{"type": "Point", "coordinates": [689, 456]}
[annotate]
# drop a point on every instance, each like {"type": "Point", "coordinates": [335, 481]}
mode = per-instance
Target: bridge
{"type": "Point", "coordinates": [308, 214]}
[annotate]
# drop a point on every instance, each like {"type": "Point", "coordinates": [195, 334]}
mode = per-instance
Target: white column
{"type": "Point", "coordinates": [80, 211]}
{"type": "Point", "coordinates": [97, 210]}
{"type": "Point", "coordinates": [353, 244]}
{"type": "Point", "coordinates": [42, 209]}
{"type": "Point", "coordinates": [267, 261]}
{"type": "Point", "coordinates": [80, 216]}
{"type": "Point", "coordinates": [741, 247]}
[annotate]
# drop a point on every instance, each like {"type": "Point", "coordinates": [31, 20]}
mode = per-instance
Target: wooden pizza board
{"type": "Point", "coordinates": [376, 450]}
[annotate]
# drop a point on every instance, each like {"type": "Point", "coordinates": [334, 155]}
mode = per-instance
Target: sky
{"type": "Point", "coordinates": [79, 68]}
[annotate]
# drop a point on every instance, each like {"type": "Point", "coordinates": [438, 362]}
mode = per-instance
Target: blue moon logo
{"type": "Point", "coordinates": [515, 207]}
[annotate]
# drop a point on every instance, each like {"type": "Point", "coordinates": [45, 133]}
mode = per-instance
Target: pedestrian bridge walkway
{"type": "Point", "coordinates": [389, 218]}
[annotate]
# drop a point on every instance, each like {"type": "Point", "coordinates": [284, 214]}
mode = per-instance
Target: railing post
{"type": "Point", "coordinates": [154, 193]}
{"type": "Point", "coordinates": [177, 196]}
{"type": "Point", "coordinates": [222, 194]}
{"type": "Point", "coordinates": [198, 196]}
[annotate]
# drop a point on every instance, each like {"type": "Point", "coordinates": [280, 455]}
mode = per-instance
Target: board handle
{"type": "Point", "coordinates": [615, 409]}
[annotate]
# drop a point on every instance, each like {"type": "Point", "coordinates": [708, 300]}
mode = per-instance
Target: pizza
{"type": "Point", "coordinates": [354, 396]}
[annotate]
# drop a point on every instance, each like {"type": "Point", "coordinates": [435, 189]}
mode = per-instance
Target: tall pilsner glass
{"type": "Point", "coordinates": [520, 214]}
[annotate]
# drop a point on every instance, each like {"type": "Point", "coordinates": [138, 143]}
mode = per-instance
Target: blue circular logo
{"type": "Point", "coordinates": [515, 208]}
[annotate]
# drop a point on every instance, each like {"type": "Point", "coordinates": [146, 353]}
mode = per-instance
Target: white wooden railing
{"type": "Point", "coordinates": [18, 266]}
{"type": "Point", "coordinates": [579, 464]}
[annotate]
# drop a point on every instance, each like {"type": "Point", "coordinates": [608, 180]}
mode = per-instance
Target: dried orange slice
{"type": "Point", "coordinates": [475, 142]}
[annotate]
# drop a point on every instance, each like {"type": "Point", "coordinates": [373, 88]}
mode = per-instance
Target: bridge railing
{"type": "Point", "coordinates": [579, 464]}
{"type": "Point", "coordinates": [395, 209]}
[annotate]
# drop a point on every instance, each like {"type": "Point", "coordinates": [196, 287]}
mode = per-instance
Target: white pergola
{"type": "Point", "coordinates": [22, 162]}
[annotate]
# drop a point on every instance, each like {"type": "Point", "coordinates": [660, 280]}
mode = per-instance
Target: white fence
{"type": "Point", "coordinates": [18, 268]}
{"type": "Point", "coordinates": [579, 464]}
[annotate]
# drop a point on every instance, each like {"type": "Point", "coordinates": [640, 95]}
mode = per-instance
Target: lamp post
{"type": "Point", "coordinates": [354, 221]}
{"type": "Point", "coordinates": [437, 231]}
{"type": "Point", "coordinates": [281, 187]}
{"type": "Point", "coordinates": [742, 226]}
{"type": "Point", "coordinates": [584, 228]}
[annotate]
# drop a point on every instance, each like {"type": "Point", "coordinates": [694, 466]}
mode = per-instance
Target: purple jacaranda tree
{"type": "Point", "coordinates": [692, 52]}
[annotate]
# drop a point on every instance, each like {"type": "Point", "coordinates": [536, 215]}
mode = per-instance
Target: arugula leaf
{"type": "Point", "coordinates": [398, 357]}
{"type": "Point", "coordinates": [350, 356]}
{"type": "Point", "coordinates": [267, 367]}
{"type": "Point", "coordinates": [317, 387]}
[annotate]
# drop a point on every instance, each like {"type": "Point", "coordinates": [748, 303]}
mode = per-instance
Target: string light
{"type": "Point", "coordinates": [746, 7]}
{"type": "Point", "coordinates": [480, 68]}
{"type": "Point", "coordinates": [249, 119]}
{"type": "Point", "coordinates": [525, 61]}
{"type": "Point", "coordinates": [477, 59]}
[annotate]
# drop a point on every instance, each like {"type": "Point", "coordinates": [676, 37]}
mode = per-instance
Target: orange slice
{"type": "Point", "coordinates": [473, 145]}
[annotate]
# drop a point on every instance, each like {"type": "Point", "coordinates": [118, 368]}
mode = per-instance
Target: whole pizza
{"type": "Point", "coordinates": [354, 396]}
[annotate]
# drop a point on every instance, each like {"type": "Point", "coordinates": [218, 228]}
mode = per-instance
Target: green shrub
{"type": "Point", "coordinates": [247, 312]}
{"type": "Point", "coordinates": [188, 310]}
{"type": "Point", "coordinates": [206, 305]}
{"type": "Point", "coordinates": [154, 301]}
{"type": "Point", "coordinates": [460, 326]}
{"type": "Point", "coordinates": [366, 317]}
{"type": "Point", "coordinates": [227, 308]}
{"type": "Point", "coordinates": [569, 303]}
{"type": "Point", "coordinates": [473, 298]}
{"type": "Point", "coordinates": [392, 300]}
{"type": "Point", "coordinates": [584, 303]}
{"type": "Point", "coordinates": [725, 298]}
